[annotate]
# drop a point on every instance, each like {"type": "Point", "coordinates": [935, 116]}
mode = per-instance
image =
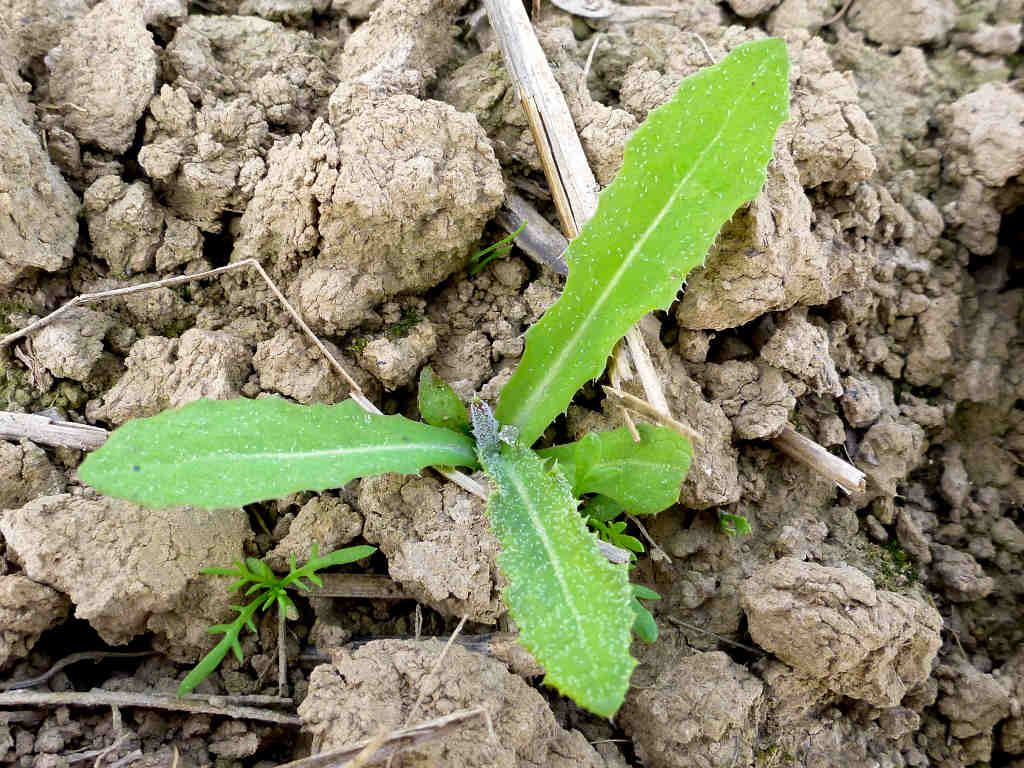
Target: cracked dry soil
{"type": "Point", "coordinates": [872, 297]}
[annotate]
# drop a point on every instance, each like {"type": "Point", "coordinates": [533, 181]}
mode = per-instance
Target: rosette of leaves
{"type": "Point", "coordinates": [691, 164]}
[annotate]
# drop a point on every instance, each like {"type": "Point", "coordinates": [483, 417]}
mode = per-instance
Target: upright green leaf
{"type": "Point", "coordinates": [692, 163]}
{"type": "Point", "coordinates": [643, 477]}
{"type": "Point", "coordinates": [572, 606]}
{"type": "Point", "coordinates": [232, 452]}
{"type": "Point", "coordinates": [439, 405]}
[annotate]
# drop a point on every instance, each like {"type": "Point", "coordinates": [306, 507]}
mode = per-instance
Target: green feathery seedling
{"type": "Point", "coordinates": [269, 589]}
{"type": "Point", "coordinates": [691, 164]}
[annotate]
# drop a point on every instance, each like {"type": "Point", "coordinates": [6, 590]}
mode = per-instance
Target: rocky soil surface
{"type": "Point", "coordinates": [872, 297]}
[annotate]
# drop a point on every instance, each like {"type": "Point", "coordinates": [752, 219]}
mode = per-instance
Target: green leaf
{"type": "Point", "coordinates": [316, 563]}
{"type": "Point", "coordinates": [644, 593]}
{"type": "Point", "coordinates": [572, 606]}
{"type": "Point", "coordinates": [481, 259]}
{"type": "Point", "coordinates": [600, 508]}
{"type": "Point", "coordinates": [691, 164]}
{"type": "Point", "coordinates": [643, 477]}
{"type": "Point", "coordinates": [232, 452]}
{"type": "Point", "coordinates": [733, 524]}
{"type": "Point", "coordinates": [644, 625]}
{"type": "Point", "coordinates": [229, 642]}
{"type": "Point", "coordinates": [439, 405]}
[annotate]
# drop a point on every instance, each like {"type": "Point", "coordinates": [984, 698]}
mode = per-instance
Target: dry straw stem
{"type": "Point", "coordinates": [538, 240]}
{"type": "Point", "coordinates": [194, 705]}
{"type": "Point", "coordinates": [363, 585]}
{"type": "Point", "coordinates": [67, 661]}
{"type": "Point", "coordinates": [572, 183]}
{"type": "Point", "coordinates": [395, 742]}
{"type": "Point", "coordinates": [644, 408]}
{"type": "Point", "coordinates": [808, 452]}
{"type": "Point", "coordinates": [619, 371]}
{"type": "Point", "coordinates": [611, 11]}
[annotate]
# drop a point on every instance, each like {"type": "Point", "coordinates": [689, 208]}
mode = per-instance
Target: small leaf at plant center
{"type": "Point", "coordinates": [439, 405]}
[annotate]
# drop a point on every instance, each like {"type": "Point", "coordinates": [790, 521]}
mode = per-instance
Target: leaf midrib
{"type": "Point", "coordinates": [370, 449]}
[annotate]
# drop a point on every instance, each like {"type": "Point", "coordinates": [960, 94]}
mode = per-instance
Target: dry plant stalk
{"type": "Point", "coordinates": [198, 705]}
{"type": "Point", "coordinates": [396, 741]}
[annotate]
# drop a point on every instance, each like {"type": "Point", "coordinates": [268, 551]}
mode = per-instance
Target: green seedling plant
{"type": "Point", "coordinates": [686, 170]}
{"type": "Point", "coordinates": [481, 259]}
{"type": "Point", "coordinates": [269, 589]}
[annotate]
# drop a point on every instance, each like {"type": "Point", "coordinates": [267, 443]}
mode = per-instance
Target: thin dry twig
{"type": "Point", "coordinates": [839, 15]}
{"type": "Point", "coordinates": [620, 370]}
{"type": "Point", "coordinates": [87, 298]}
{"type": "Point", "coordinates": [282, 656]}
{"type": "Point", "coordinates": [649, 378]}
{"type": "Point", "coordinates": [656, 552]}
{"type": "Point", "coordinates": [100, 698]}
{"type": "Point", "coordinates": [366, 753]}
{"type": "Point", "coordinates": [707, 51]}
{"type": "Point", "coordinates": [606, 10]}
{"type": "Point", "coordinates": [644, 408]}
{"type": "Point", "coordinates": [686, 625]}
{"type": "Point", "coordinates": [397, 741]}
{"type": "Point", "coordinates": [538, 240]}
{"type": "Point", "coordinates": [134, 755]}
{"type": "Point", "coordinates": [503, 646]}
{"type": "Point", "coordinates": [806, 451]}
{"type": "Point", "coordinates": [437, 665]}
{"type": "Point", "coordinates": [368, 585]}
{"type": "Point", "coordinates": [67, 661]}
{"type": "Point", "coordinates": [97, 755]}
{"type": "Point", "coordinates": [590, 60]}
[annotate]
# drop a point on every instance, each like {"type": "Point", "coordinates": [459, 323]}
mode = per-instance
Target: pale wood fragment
{"type": "Point", "coordinates": [808, 452]}
{"type": "Point", "coordinates": [101, 698]}
{"type": "Point", "coordinates": [47, 431]}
